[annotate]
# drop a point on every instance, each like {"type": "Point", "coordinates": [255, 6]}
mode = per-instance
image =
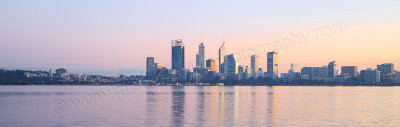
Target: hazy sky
{"type": "Point", "coordinates": [115, 36]}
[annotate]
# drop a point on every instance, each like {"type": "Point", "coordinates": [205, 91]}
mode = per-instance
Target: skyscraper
{"type": "Point", "coordinates": [272, 64]}
{"type": "Point", "coordinates": [149, 66]}
{"type": "Point", "coordinates": [201, 56]}
{"type": "Point", "coordinates": [178, 54]}
{"type": "Point", "coordinates": [351, 70]}
{"type": "Point", "coordinates": [254, 65]}
{"type": "Point", "coordinates": [231, 66]}
{"type": "Point", "coordinates": [210, 64]}
{"type": "Point", "coordinates": [332, 69]}
{"type": "Point", "coordinates": [221, 58]}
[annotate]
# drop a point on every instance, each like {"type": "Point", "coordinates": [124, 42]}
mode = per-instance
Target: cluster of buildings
{"type": "Point", "coordinates": [61, 75]}
{"type": "Point", "coordinates": [229, 70]}
{"type": "Point", "coordinates": [227, 67]}
{"type": "Point", "coordinates": [383, 73]}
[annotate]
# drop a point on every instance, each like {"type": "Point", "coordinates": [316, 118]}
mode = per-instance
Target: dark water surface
{"type": "Point", "coordinates": [49, 106]}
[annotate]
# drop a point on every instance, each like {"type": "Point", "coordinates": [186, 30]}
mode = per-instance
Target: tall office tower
{"type": "Point", "coordinates": [210, 64]}
{"type": "Point", "coordinates": [221, 58]}
{"type": "Point", "coordinates": [332, 69]}
{"type": "Point", "coordinates": [351, 70]}
{"type": "Point", "coordinates": [231, 66]}
{"type": "Point", "coordinates": [272, 64]}
{"type": "Point", "coordinates": [149, 66]}
{"type": "Point", "coordinates": [370, 75]}
{"type": "Point", "coordinates": [201, 55]}
{"type": "Point", "coordinates": [254, 65]}
{"type": "Point", "coordinates": [387, 68]}
{"type": "Point", "coordinates": [178, 54]}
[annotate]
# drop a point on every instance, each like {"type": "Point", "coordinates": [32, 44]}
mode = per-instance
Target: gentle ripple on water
{"type": "Point", "coordinates": [198, 106]}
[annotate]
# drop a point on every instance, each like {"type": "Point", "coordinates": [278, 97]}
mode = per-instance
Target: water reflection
{"type": "Point", "coordinates": [210, 106]}
{"type": "Point", "coordinates": [203, 106]}
{"type": "Point", "coordinates": [271, 105]}
{"type": "Point", "coordinates": [200, 104]}
{"type": "Point", "coordinates": [178, 106]}
{"type": "Point", "coordinates": [151, 106]}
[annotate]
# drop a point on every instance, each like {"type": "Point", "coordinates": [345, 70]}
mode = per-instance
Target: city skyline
{"type": "Point", "coordinates": [87, 42]}
{"type": "Point", "coordinates": [206, 63]}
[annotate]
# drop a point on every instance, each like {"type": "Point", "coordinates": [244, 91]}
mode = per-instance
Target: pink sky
{"type": "Point", "coordinates": [121, 34]}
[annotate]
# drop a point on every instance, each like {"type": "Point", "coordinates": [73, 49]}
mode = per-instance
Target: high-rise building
{"type": "Point", "coordinates": [221, 58]}
{"type": "Point", "coordinates": [350, 70]}
{"type": "Point", "coordinates": [231, 66]}
{"type": "Point", "coordinates": [178, 54]}
{"type": "Point", "coordinates": [332, 71]}
{"type": "Point", "coordinates": [243, 72]}
{"type": "Point", "coordinates": [310, 73]}
{"type": "Point", "coordinates": [272, 64]}
{"type": "Point", "coordinates": [316, 73]}
{"type": "Point", "coordinates": [370, 75]}
{"type": "Point", "coordinates": [323, 72]}
{"type": "Point", "coordinates": [240, 72]}
{"type": "Point", "coordinates": [61, 71]}
{"type": "Point", "coordinates": [149, 66]}
{"type": "Point", "coordinates": [247, 72]}
{"type": "Point", "coordinates": [254, 65]}
{"type": "Point", "coordinates": [183, 75]}
{"type": "Point", "coordinates": [306, 73]}
{"type": "Point", "coordinates": [210, 64]}
{"type": "Point", "coordinates": [387, 68]}
{"type": "Point", "coordinates": [201, 56]}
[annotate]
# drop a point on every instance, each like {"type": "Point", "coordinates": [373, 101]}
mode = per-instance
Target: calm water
{"type": "Point", "coordinates": [198, 106]}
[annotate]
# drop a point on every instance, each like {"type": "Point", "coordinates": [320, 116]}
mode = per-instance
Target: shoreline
{"type": "Point", "coordinates": [351, 85]}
